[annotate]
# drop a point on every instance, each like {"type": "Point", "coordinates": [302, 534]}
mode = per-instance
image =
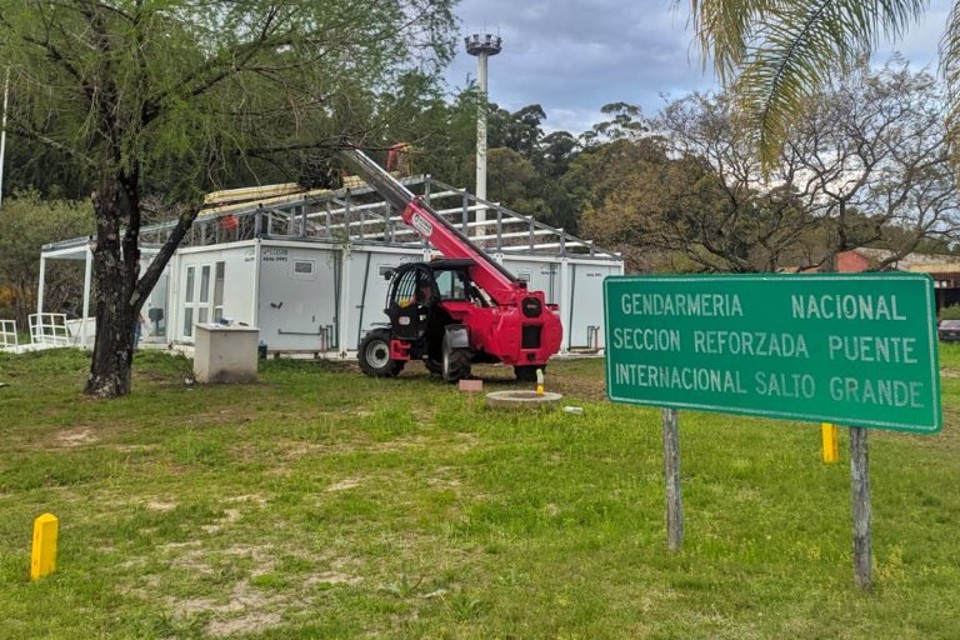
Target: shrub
{"type": "Point", "coordinates": [950, 313]}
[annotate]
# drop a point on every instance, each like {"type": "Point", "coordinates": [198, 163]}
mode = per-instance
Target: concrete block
{"type": "Point", "coordinates": [225, 354]}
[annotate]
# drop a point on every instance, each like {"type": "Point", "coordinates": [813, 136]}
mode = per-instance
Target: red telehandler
{"type": "Point", "coordinates": [465, 308]}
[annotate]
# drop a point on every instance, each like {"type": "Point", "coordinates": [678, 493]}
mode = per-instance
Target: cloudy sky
{"type": "Point", "coordinates": [574, 56]}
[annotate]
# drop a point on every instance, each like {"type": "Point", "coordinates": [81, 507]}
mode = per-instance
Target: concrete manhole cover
{"type": "Point", "coordinates": [523, 400]}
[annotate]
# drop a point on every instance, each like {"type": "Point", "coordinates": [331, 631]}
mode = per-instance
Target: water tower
{"type": "Point", "coordinates": [482, 45]}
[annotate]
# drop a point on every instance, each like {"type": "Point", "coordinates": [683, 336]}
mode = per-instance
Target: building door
{"type": "Point", "coordinates": [202, 295]}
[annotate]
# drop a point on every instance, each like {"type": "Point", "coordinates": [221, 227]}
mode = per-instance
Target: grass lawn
{"type": "Point", "coordinates": [322, 504]}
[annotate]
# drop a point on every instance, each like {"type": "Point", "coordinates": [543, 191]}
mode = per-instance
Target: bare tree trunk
{"type": "Point", "coordinates": [121, 292]}
{"type": "Point", "coordinates": [110, 367]}
{"type": "Point", "coordinates": [116, 269]}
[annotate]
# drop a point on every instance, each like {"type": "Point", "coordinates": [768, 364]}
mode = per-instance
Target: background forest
{"type": "Point", "coordinates": [680, 190]}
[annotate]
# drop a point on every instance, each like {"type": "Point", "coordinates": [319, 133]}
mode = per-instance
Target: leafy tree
{"type": "Point", "coordinates": [600, 170]}
{"type": "Point", "coordinates": [127, 88]}
{"type": "Point", "coordinates": [865, 166]}
{"type": "Point", "coordinates": [520, 131]}
{"type": "Point", "coordinates": [510, 177]}
{"type": "Point", "coordinates": [557, 150]}
{"type": "Point", "coordinates": [739, 219]}
{"type": "Point", "coordinates": [659, 207]}
{"type": "Point", "coordinates": [28, 223]}
{"type": "Point", "coordinates": [589, 170]}
{"type": "Point", "coordinates": [444, 138]}
{"type": "Point", "coordinates": [47, 171]}
{"type": "Point", "coordinates": [951, 312]}
{"type": "Point", "coordinates": [870, 161]}
{"type": "Point", "coordinates": [627, 123]}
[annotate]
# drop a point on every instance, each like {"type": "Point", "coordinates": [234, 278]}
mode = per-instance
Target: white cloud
{"type": "Point", "coordinates": [574, 56]}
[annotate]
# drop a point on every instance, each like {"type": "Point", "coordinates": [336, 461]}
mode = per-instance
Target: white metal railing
{"type": "Point", "coordinates": [8, 334]}
{"type": "Point", "coordinates": [50, 329]}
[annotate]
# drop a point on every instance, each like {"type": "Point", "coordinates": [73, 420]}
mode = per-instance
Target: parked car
{"type": "Point", "coordinates": [949, 330]}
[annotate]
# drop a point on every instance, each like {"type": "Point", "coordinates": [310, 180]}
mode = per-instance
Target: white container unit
{"type": "Point", "coordinates": [298, 298]}
{"type": "Point", "coordinates": [582, 311]}
{"type": "Point", "coordinates": [318, 298]}
{"type": "Point", "coordinates": [310, 270]}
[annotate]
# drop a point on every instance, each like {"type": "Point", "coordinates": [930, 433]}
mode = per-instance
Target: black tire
{"type": "Point", "coordinates": [527, 373]}
{"type": "Point", "coordinates": [435, 367]}
{"type": "Point", "coordinates": [374, 355]}
{"type": "Point", "coordinates": [455, 362]}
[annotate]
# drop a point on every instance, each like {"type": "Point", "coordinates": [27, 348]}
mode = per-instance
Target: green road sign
{"type": "Point", "coordinates": [857, 350]}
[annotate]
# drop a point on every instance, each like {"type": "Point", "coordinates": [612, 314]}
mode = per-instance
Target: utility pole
{"type": "Point", "coordinates": [482, 45]}
{"type": "Point", "coordinates": [3, 129]}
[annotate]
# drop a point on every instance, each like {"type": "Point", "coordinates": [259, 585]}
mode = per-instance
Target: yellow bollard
{"type": "Point", "coordinates": [831, 448]}
{"type": "Point", "coordinates": [43, 556]}
{"type": "Point", "coordinates": [539, 382]}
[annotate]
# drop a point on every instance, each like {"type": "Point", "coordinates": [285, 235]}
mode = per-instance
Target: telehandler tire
{"type": "Point", "coordinates": [374, 355]}
{"type": "Point", "coordinates": [456, 362]}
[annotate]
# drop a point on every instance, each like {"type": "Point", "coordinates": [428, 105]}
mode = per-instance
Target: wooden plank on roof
{"type": "Point", "coordinates": [247, 194]}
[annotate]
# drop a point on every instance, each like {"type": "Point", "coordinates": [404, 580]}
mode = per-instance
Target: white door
{"type": "Point", "coordinates": [202, 295]}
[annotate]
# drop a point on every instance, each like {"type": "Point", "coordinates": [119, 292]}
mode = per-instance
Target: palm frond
{"type": "Point", "coordinates": [950, 70]}
{"type": "Point", "coordinates": [723, 28]}
{"type": "Point", "coordinates": [778, 52]}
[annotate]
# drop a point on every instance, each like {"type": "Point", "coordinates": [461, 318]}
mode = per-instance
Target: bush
{"type": "Point", "coordinates": [28, 223]}
{"type": "Point", "coordinates": [950, 313]}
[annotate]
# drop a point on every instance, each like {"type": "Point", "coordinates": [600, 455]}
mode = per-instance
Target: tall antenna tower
{"type": "Point", "coordinates": [482, 45]}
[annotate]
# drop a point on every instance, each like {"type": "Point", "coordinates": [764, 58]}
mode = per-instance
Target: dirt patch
{"type": "Point", "coordinates": [260, 554]}
{"type": "Point", "coordinates": [159, 505]}
{"type": "Point", "coordinates": [75, 437]}
{"type": "Point", "coordinates": [442, 478]}
{"type": "Point", "coordinates": [135, 448]}
{"type": "Point", "coordinates": [331, 577]}
{"type": "Point", "coordinates": [229, 516]}
{"type": "Point", "coordinates": [173, 546]}
{"type": "Point", "coordinates": [294, 449]}
{"type": "Point", "coordinates": [250, 604]}
{"type": "Point", "coordinates": [578, 388]}
{"type": "Point", "coordinates": [250, 623]}
{"type": "Point", "coordinates": [346, 483]}
{"type": "Point", "coordinates": [252, 498]}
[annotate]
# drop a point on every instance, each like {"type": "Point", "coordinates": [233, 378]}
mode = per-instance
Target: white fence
{"type": "Point", "coordinates": [8, 334]}
{"type": "Point", "coordinates": [50, 329]}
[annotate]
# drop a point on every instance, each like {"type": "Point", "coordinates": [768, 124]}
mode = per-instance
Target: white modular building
{"type": "Point", "coordinates": [311, 269]}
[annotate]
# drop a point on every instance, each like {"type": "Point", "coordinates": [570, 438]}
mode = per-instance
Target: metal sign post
{"type": "Point", "coordinates": [3, 128]}
{"type": "Point", "coordinates": [860, 493]}
{"type": "Point", "coordinates": [671, 474]}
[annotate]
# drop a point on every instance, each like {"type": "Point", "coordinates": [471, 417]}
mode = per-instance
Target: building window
{"type": "Point", "coordinates": [205, 283]}
{"type": "Point", "coordinates": [218, 276]}
{"type": "Point", "coordinates": [304, 267]}
{"type": "Point", "coordinates": [188, 290]}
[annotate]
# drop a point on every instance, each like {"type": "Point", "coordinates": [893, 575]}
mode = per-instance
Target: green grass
{"type": "Point", "coordinates": [323, 504]}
